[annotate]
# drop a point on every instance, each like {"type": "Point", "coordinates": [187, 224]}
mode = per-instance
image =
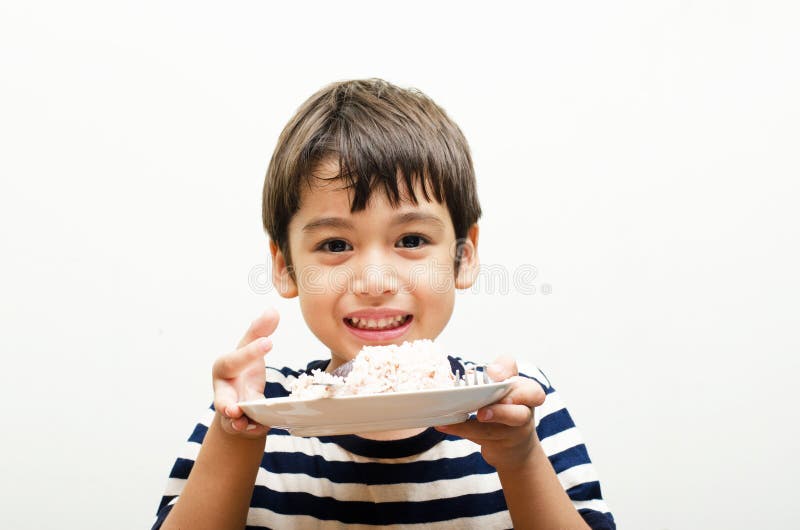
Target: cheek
{"type": "Point", "coordinates": [317, 281]}
{"type": "Point", "coordinates": [318, 314]}
{"type": "Point", "coordinates": [435, 311]}
{"type": "Point", "coordinates": [339, 280]}
{"type": "Point", "coordinates": [435, 290]}
{"type": "Point", "coordinates": [431, 277]}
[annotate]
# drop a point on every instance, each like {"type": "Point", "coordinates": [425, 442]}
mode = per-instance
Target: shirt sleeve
{"type": "Point", "coordinates": [182, 467]}
{"type": "Point", "coordinates": [566, 450]}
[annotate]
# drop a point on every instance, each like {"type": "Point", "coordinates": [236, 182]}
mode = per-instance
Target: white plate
{"type": "Point", "coordinates": [373, 412]}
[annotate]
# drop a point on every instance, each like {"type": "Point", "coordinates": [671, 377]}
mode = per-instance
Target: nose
{"type": "Point", "coordinates": [375, 277]}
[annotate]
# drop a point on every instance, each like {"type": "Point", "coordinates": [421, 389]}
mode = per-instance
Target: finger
{"type": "Point", "coordinates": [225, 398]}
{"type": "Point", "coordinates": [511, 415]}
{"type": "Point", "coordinates": [477, 431]}
{"type": "Point", "coordinates": [248, 426]}
{"type": "Point", "coordinates": [243, 427]}
{"type": "Point", "coordinates": [240, 424]}
{"type": "Point", "coordinates": [256, 429]}
{"type": "Point", "coordinates": [526, 392]}
{"type": "Point", "coordinates": [232, 364]}
{"type": "Point", "coordinates": [502, 368]}
{"type": "Point", "coordinates": [263, 326]}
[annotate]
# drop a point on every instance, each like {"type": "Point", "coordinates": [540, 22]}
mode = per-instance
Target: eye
{"type": "Point", "coordinates": [411, 241]}
{"type": "Point", "coordinates": [335, 245]}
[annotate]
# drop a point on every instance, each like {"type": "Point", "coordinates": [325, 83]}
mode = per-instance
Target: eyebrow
{"type": "Point", "coordinates": [327, 222]}
{"type": "Point", "coordinates": [344, 224]}
{"type": "Point", "coordinates": [410, 217]}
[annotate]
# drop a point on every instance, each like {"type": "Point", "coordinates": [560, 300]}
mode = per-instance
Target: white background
{"type": "Point", "coordinates": [641, 155]}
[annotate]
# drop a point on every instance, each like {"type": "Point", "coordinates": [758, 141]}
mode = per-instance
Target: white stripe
{"type": "Point", "coordinates": [575, 475]}
{"type": "Point", "coordinates": [207, 418]}
{"type": "Point", "coordinates": [398, 492]}
{"type": "Point", "coordinates": [534, 372]}
{"type": "Point", "coordinates": [270, 519]}
{"type": "Point", "coordinates": [174, 486]}
{"type": "Point", "coordinates": [552, 403]}
{"type": "Point", "coordinates": [561, 441]}
{"type": "Point", "coordinates": [598, 505]}
{"type": "Point", "coordinates": [190, 451]}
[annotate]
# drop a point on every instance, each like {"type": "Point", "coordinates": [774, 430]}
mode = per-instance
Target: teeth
{"type": "Point", "coordinates": [382, 323]}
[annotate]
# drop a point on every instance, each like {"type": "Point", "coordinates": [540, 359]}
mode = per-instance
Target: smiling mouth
{"type": "Point", "coordinates": [378, 323]}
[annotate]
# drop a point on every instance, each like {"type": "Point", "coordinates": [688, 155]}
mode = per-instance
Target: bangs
{"type": "Point", "coordinates": [375, 151]}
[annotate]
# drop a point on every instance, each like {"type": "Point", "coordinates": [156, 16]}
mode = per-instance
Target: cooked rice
{"type": "Point", "coordinates": [411, 366]}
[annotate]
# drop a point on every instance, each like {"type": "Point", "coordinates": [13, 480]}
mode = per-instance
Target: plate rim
{"type": "Point", "coordinates": [383, 395]}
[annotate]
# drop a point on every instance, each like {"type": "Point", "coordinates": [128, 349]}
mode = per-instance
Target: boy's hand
{"type": "Point", "coordinates": [505, 430]}
{"type": "Point", "coordinates": [241, 375]}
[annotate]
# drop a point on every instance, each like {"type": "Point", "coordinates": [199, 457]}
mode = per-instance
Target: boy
{"type": "Point", "coordinates": [371, 209]}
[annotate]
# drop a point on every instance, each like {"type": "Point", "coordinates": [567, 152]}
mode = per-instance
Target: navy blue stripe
{"type": "Point", "coordinates": [597, 520]}
{"type": "Point", "coordinates": [277, 432]}
{"type": "Point", "coordinates": [199, 433]}
{"type": "Point", "coordinates": [457, 366]}
{"type": "Point", "coordinates": [585, 492]}
{"type": "Point", "coordinates": [181, 468]}
{"type": "Point", "coordinates": [163, 512]}
{"type": "Point", "coordinates": [574, 456]}
{"type": "Point", "coordinates": [285, 371]}
{"type": "Point", "coordinates": [320, 364]}
{"type": "Point", "coordinates": [275, 390]}
{"type": "Point", "coordinates": [374, 472]}
{"type": "Point", "coordinates": [381, 513]}
{"type": "Point", "coordinates": [406, 447]}
{"type": "Point", "coordinates": [165, 500]}
{"type": "Point", "coordinates": [554, 423]}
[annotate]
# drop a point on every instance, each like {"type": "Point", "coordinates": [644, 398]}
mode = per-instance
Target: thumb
{"type": "Point", "coordinates": [502, 368]}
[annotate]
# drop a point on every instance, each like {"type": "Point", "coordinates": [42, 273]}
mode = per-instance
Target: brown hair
{"type": "Point", "coordinates": [379, 133]}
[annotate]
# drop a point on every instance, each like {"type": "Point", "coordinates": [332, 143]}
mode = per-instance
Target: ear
{"type": "Point", "coordinates": [282, 273]}
{"type": "Point", "coordinates": [470, 264]}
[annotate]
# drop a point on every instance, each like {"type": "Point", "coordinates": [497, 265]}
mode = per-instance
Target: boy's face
{"type": "Point", "coordinates": [380, 276]}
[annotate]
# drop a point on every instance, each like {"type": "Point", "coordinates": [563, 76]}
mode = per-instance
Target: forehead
{"type": "Point", "coordinates": [325, 194]}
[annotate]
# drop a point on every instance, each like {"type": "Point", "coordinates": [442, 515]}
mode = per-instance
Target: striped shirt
{"type": "Point", "coordinates": [431, 480]}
